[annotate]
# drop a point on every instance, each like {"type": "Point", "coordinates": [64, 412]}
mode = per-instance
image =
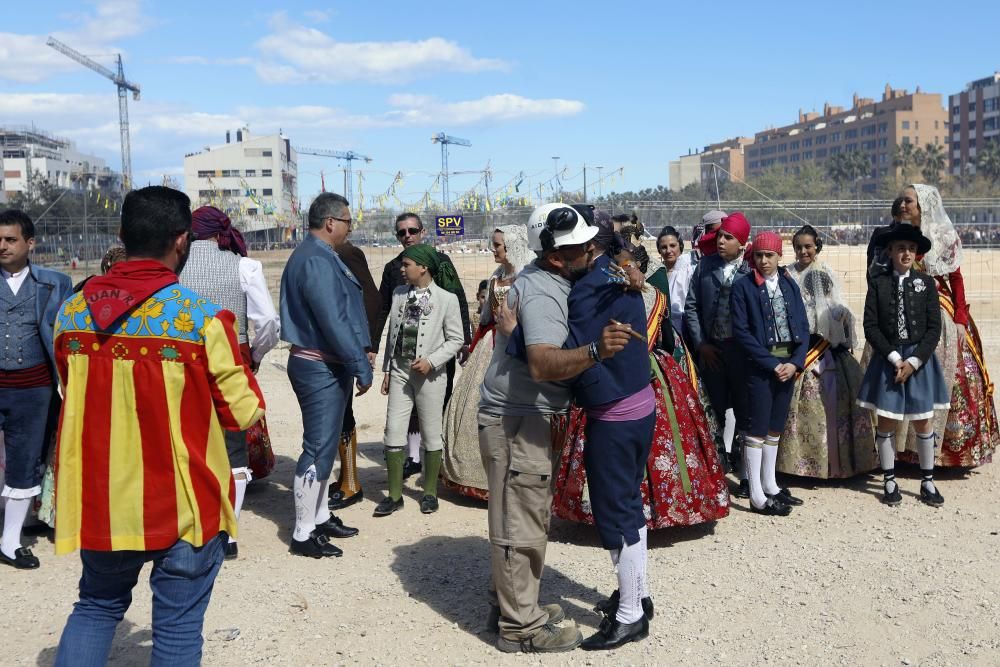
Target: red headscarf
{"type": "Point", "coordinates": [209, 221]}
{"type": "Point", "coordinates": [736, 224]}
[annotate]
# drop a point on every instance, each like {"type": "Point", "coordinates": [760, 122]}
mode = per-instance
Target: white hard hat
{"type": "Point", "coordinates": [552, 226]}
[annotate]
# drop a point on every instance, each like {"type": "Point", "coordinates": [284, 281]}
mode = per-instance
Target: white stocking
{"type": "Point", "coordinates": [322, 506]}
{"type": "Point", "coordinates": [753, 453]}
{"type": "Point", "coordinates": [241, 477]}
{"type": "Point", "coordinates": [306, 490]}
{"type": "Point", "coordinates": [13, 522]}
{"type": "Point", "coordinates": [630, 576]}
{"type": "Point", "coordinates": [768, 465]}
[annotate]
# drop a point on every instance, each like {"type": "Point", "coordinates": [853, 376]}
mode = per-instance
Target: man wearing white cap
{"type": "Point", "coordinates": [520, 404]}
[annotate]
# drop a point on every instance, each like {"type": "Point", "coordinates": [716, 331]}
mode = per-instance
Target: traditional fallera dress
{"type": "Point", "coordinates": [827, 434]}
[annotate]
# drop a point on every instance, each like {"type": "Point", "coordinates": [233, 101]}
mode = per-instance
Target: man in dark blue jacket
{"type": "Point", "coordinates": [30, 297]}
{"type": "Point", "coordinates": [323, 317]}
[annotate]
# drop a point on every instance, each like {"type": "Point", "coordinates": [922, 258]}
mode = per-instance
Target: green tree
{"type": "Point", "coordinates": [904, 158]}
{"type": "Point", "coordinates": [988, 162]}
{"type": "Point", "coordinates": [932, 162]}
{"type": "Point", "coordinates": [846, 168]}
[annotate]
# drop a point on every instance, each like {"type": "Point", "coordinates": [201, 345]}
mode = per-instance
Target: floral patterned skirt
{"type": "Point", "coordinates": [684, 482]}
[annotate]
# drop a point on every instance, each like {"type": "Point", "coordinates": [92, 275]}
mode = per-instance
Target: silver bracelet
{"type": "Point", "coordinates": [594, 354]}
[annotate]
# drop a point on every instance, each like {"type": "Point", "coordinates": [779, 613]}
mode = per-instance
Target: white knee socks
{"type": "Point", "coordinates": [13, 521]}
{"type": "Point", "coordinates": [887, 458]}
{"type": "Point", "coordinates": [753, 453]}
{"type": "Point", "coordinates": [631, 581]}
{"type": "Point", "coordinates": [413, 444]}
{"type": "Point", "coordinates": [644, 592]}
{"type": "Point", "coordinates": [768, 465]}
{"type": "Point", "coordinates": [925, 452]}
{"type": "Point", "coordinates": [322, 506]}
{"type": "Point", "coordinates": [306, 489]}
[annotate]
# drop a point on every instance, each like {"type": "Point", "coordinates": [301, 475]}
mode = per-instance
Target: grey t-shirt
{"type": "Point", "coordinates": [543, 315]}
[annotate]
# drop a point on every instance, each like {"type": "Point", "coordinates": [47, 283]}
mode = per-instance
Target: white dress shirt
{"type": "Point", "coordinates": [15, 280]}
{"type": "Point", "coordinates": [260, 309]}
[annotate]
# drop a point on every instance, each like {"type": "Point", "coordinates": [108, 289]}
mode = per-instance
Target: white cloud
{"type": "Point", "coordinates": [27, 58]}
{"type": "Point", "coordinates": [294, 53]}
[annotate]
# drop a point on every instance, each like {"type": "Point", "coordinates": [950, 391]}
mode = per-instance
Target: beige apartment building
{"type": "Point", "coordinates": [724, 161]}
{"type": "Point", "coordinates": [874, 128]}
{"type": "Point", "coordinates": [975, 119]}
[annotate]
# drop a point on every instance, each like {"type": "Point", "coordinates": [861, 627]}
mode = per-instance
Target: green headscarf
{"type": "Point", "coordinates": [443, 273]}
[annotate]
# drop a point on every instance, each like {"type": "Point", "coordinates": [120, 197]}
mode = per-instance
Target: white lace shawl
{"type": "Point", "coordinates": [945, 255]}
{"type": "Point", "coordinates": [825, 309]}
{"type": "Point", "coordinates": [519, 253]}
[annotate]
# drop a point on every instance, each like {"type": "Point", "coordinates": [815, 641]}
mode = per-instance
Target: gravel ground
{"type": "Point", "coordinates": [843, 580]}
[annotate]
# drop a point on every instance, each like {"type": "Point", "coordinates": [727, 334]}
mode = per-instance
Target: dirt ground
{"type": "Point", "coordinates": [843, 580]}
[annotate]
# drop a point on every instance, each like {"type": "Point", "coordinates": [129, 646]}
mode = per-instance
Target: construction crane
{"type": "Point", "coordinates": [445, 140]}
{"type": "Point", "coordinates": [124, 85]}
{"type": "Point", "coordinates": [347, 156]}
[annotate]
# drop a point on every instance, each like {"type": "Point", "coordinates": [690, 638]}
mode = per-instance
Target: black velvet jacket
{"type": "Point", "coordinates": [923, 314]}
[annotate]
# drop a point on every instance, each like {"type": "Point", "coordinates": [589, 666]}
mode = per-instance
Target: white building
{"type": "Point", "coordinates": [28, 153]}
{"type": "Point", "coordinates": [254, 180]}
{"type": "Point", "coordinates": [685, 171]}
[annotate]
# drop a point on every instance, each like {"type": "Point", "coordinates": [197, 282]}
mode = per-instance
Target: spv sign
{"type": "Point", "coordinates": [450, 225]}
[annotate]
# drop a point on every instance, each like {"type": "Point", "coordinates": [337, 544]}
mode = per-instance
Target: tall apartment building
{"type": "Point", "coordinates": [254, 180]}
{"type": "Point", "coordinates": [29, 153]}
{"type": "Point", "coordinates": [728, 156]}
{"type": "Point", "coordinates": [975, 119]}
{"type": "Point", "coordinates": [684, 171]}
{"type": "Point", "coordinates": [874, 128]}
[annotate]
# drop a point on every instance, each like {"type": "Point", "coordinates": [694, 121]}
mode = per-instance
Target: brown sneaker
{"type": "Point", "coordinates": [548, 639]}
{"type": "Point", "coordinates": [555, 612]}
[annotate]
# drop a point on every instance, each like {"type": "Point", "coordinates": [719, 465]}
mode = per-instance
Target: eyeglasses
{"type": "Point", "coordinates": [346, 221]}
{"type": "Point", "coordinates": [407, 231]}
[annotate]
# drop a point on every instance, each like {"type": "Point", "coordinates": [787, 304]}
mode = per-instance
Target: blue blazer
{"type": "Point", "coordinates": [322, 307]}
{"type": "Point", "coordinates": [753, 320]}
{"type": "Point", "coordinates": [53, 288]}
{"type": "Point", "coordinates": [702, 301]}
{"type": "Point", "coordinates": [593, 303]}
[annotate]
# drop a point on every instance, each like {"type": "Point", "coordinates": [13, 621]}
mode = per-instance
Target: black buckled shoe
{"type": "Point", "coordinates": [894, 497]}
{"type": "Point", "coordinates": [932, 498]}
{"type": "Point", "coordinates": [615, 633]}
{"type": "Point", "coordinates": [411, 467]}
{"type": "Point", "coordinates": [609, 607]}
{"type": "Point", "coordinates": [429, 504]}
{"type": "Point", "coordinates": [339, 501]}
{"type": "Point", "coordinates": [772, 507]}
{"type": "Point", "coordinates": [743, 490]}
{"type": "Point", "coordinates": [334, 527]}
{"type": "Point", "coordinates": [23, 559]}
{"type": "Point", "coordinates": [387, 506]}
{"type": "Point", "coordinates": [317, 546]}
{"type": "Point", "coordinates": [785, 496]}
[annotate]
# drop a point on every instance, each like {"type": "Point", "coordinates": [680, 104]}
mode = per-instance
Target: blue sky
{"type": "Point", "coordinates": [628, 84]}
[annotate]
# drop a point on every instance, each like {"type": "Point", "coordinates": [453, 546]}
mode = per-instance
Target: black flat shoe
{"type": "Point", "coordinates": [411, 467]}
{"type": "Point", "coordinates": [339, 501]}
{"type": "Point", "coordinates": [23, 559]}
{"type": "Point", "coordinates": [317, 546]}
{"type": "Point", "coordinates": [232, 551]}
{"type": "Point", "coordinates": [785, 496]}
{"type": "Point", "coordinates": [894, 498]}
{"type": "Point", "coordinates": [387, 506]}
{"type": "Point", "coordinates": [609, 607]}
{"type": "Point", "coordinates": [428, 504]}
{"type": "Point", "coordinates": [614, 634]}
{"type": "Point", "coordinates": [772, 508]}
{"type": "Point", "coordinates": [934, 499]}
{"type": "Point", "coordinates": [743, 490]}
{"type": "Point", "coordinates": [334, 527]}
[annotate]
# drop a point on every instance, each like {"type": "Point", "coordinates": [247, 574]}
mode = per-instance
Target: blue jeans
{"type": "Point", "coordinates": [182, 581]}
{"type": "Point", "coordinates": [322, 390]}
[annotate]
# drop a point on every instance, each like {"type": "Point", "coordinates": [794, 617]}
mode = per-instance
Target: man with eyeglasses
{"type": "Point", "coordinates": [323, 317]}
{"type": "Point", "coordinates": [523, 401]}
{"type": "Point", "coordinates": [410, 231]}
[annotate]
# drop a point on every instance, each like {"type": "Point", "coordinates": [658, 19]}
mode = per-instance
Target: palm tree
{"type": "Point", "coordinates": [932, 164]}
{"type": "Point", "coordinates": [988, 161]}
{"type": "Point", "coordinates": [903, 158]}
{"type": "Point", "coordinates": [845, 168]}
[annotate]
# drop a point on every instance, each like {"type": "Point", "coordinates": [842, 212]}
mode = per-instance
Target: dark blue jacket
{"type": "Point", "coordinates": [753, 320]}
{"type": "Point", "coordinates": [322, 307]}
{"type": "Point", "coordinates": [702, 301]}
{"type": "Point", "coordinates": [593, 303]}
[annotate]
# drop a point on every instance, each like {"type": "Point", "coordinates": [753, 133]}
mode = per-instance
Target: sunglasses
{"type": "Point", "coordinates": [407, 231]}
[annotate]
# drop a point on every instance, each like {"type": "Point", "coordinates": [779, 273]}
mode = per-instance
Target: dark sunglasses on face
{"type": "Point", "coordinates": [407, 231]}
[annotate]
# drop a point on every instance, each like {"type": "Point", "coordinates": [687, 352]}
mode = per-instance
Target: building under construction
{"type": "Point", "coordinates": [27, 154]}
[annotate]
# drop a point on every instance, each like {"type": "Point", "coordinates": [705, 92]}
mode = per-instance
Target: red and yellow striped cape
{"type": "Point", "coordinates": [141, 460]}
